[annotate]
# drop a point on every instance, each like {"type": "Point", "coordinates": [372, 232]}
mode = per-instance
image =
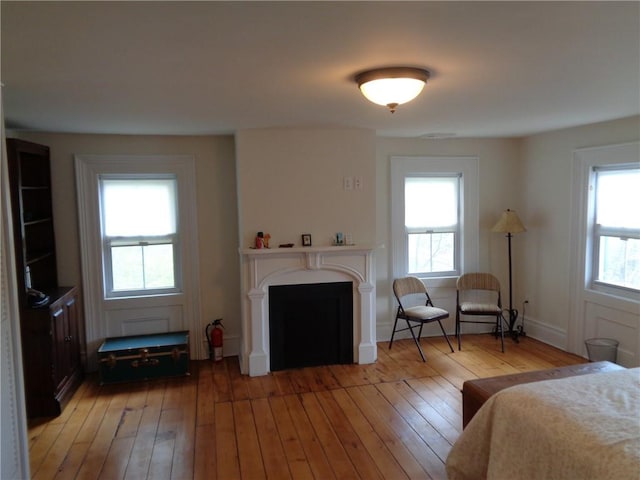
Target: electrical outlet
{"type": "Point", "coordinates": [357, 183]}
{"type": "Point", "coordinates": [347, 183]}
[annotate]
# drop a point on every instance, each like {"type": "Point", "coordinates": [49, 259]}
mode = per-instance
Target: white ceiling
{"type": "Point", "coordinates": [498, 68]}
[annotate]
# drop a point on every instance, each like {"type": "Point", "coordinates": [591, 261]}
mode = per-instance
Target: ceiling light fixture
{"type": "Point", "coordinates": [392, 86]}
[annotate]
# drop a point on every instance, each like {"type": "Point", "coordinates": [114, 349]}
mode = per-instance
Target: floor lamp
{"type": "Point", "coordinates": [510, 223]}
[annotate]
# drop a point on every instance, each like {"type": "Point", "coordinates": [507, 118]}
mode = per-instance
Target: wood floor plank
{"type": "Point", "coordinates": [423, 388]}
{"type": "Point", "coordinates": [183, 453]}
{"type": "Point", "coordinates": [205, 403]}
{"type": "Point", "coordinates": [421, 451]}
{"type": "Point", "coordinates": [133, 410]}
{"type": "Point", "coordinates": [72, 462]}
{"type": "Point", "coordinates": [378, 461]}
{"type": "Point", "coordinates": [221, 382]}
{"type": "Point", "coordinates": [251, 464]}
{"type": "Point", "coordinates": [41, 446]}
{"type": "Point", "coordinates": [115, 465]}
{"type": "Point", "coordinates": [205, 467]}
{"type": "Point", "coordinates": [142, 449]}
{"type": "Point", "coordinates": [239, 388]}
{"type": "Point", "coordinates": [227, 461]}
{"type": "Point", "coordinates": [316, 456]}
{"type": "Point", "coordinates": [291, 443]}
{"type": "Point", "coordinates": [429, 435]}
{"type": "Point", "coordinates": [428, 412]}
{"type": "Point", "coordinates": [393, 419]}
{"type": "Point", "coordinates": [270, 442]}
{"type": "Point", "coordinates": [99, 447]}
{"type": "Point", "coordinates": [358, 454]}
{"type": "Point", "coordinates": [395, 445]}
{"type": "Point", "coordinates": [336, 453]}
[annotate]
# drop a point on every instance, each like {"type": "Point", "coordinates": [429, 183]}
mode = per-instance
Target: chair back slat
{"type": "Point", "coordinates": [478, 281]}
{"type": "Point", "coordinates": [407, 286]}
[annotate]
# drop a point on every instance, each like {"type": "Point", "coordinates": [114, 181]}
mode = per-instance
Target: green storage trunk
{"type": "Point", "coordinates": [143, 357]}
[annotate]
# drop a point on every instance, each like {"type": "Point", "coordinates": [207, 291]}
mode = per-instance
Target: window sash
{"type": "Point", "coordinates": [602, 275]}
{"type": "Point", "coordinates": [417, 262]}
{"type": "Point", "coordinates": [426, 264]}
{"type": "Point", "coordinates": [167, 234]}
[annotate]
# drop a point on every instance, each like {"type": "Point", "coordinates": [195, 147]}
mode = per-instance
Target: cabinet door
{"type": "Point", "coordinates": [72, 308]}
{"type": "Point", "coordinates": [60, 329]}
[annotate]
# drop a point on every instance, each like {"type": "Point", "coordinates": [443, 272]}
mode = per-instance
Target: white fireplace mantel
{"type": "Point", "coordinates": [262, 268]}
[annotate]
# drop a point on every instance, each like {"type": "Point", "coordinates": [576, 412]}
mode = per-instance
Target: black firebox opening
{"type": "Point", "coordinates": [310, 325]}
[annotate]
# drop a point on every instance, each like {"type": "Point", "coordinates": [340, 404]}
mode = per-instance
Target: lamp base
{"type": "Point", "coordinates": [515, 332]}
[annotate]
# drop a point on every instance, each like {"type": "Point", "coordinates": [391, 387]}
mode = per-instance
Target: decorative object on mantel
{"type": "Point", "coordinates": [286, 245]}
{"type": "Point", "coordinates": [348, 239]}
{"type": "Point", "coordinates": [306, 239]}
{"type": "Point", "coordinates": [392, 86]}
{"type": "Point", "coordinates": [510, 223]}
{"type": "Point", "coordinates": [259, 240]}
{"type": "Point", "coordinates": [267, 237]}
{"type": "Point", "coordinates": [341, 240]}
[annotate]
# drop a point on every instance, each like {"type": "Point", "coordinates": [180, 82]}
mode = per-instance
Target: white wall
{"type": "Point", "coordinates": [545, 275]}
{"type": "Point", "coordinates": [216, 204]}
{"type": "Point", "coordinates": [290, 182]}
{"type": "Point", "coordinates": [499, 190]}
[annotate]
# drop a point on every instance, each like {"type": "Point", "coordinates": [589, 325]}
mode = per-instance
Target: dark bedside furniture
{"type": "Point", "coordinates": [476, 392]}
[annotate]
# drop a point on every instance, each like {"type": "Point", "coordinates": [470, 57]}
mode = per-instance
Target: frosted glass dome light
{"type": "Point", "coordinates": [392, 86]}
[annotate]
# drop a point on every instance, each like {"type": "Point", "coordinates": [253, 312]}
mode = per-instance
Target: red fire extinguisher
{"type": "Point", "coordinates": [213, 333]}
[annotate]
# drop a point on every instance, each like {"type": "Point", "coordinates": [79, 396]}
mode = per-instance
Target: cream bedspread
{"type": "Point", "coordinates": [577, 428]}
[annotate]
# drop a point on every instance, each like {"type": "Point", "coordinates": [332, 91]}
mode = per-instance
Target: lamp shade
{"type": "Point", "coordinates": [392, 86]}
{"type": "Point", "coordinates": [509, 223]}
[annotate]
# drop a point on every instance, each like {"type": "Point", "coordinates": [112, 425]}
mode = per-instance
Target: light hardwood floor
{"type": "Point", "coordinates": [394, 419]}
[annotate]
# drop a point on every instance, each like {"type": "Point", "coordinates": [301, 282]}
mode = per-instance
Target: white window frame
{"type": "Point", "coordinates": [596, 231]}
{"type": "Point", "coordinates": [88, 168]}
{"type": "Point", "coordinates": [455, 229]}
{"type": "Point", "coordinates": [467, 168]}
{"type": "Point", "coordinates": [583, 224]}
{"type": "Point", "coordinates": [108, 243]}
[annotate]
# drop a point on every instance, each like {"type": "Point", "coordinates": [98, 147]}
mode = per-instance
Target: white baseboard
{"type": "Point", "coordinates": [546, 333]}
{"type": "Point", "coordinates": [541, 331]}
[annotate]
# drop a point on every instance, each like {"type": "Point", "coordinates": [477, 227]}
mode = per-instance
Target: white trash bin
{"type": "Point", "coordinates": [601, 349]}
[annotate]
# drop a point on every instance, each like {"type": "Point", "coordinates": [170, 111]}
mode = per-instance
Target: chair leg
{"type": "Point", "coordinates": [445, 335]}
{"type": "Point", "coordinates": [417, 342]}
{"type": "Point", "coordinates": [393, 333]}
{"type": "Point", "coordinates": [501, 329]}
{"type": "Point", "coordinates": [458, 334]}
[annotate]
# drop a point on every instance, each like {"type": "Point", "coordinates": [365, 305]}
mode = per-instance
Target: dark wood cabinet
{"type": "Point", "coordinates": [50, 324]}
{"type": "Point", "coordinates": [51, 353]}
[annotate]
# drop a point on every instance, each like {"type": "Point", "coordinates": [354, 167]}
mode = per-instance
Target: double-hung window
{"type": "Point", "coordinates": [139, 234]}
{"type": "Point", "coordinates": [434, 216]}
{"type": "Point", "coordinates": [616, 226]}
{"type": "Point", "coordinates": [432, 224]}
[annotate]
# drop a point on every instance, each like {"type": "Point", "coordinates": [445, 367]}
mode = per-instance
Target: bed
{"type": "Point", "coordinates": [585, 427]}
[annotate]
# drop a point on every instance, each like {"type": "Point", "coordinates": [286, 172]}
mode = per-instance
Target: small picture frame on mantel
{"type": "Point", "coordinates": [306, 239]}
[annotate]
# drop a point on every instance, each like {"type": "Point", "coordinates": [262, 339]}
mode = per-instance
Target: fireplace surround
{"type": "Point", "coordinates": [262, 268]}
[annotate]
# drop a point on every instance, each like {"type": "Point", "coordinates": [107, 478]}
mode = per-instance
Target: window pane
{"type": "Point", "coordinates": [138, 207]}
{"type": "Point", "coordinates": [431, 201]}
{"type": "Point", "coordinates": [431, 252]}
{"type": "Point", "coordinates": [127, 268]}
{"type": "Point", "coordinates": [619, 262]}
{"type": "Point", "coordinates": [158, 266]}
{"type": "Point", "coordinates": [617, 198]}
{"type": "Point", "coordinates": [142, 267]}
